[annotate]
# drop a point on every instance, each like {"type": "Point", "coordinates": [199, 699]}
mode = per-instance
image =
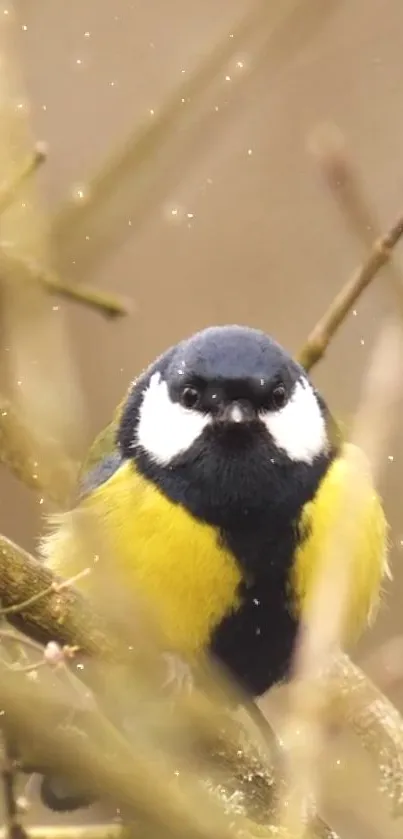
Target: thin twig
{"type": "Point", "coordinates": [24, 640]}
{"type": "Point", "coordinates": [30, 165]}
{"type": "Point", "coordinates": [103, 302]}
{"type": "Point", "coordinates": [28, 668]}
{"type": "Point", "coordinates": [328, 145]}
{"type": "Point", "coordinates": [52, 478]}
{"type": "Point", "coordinates": [106, 304]}
{"type": "Point", "coordinates": [53, 587]}
{"type": "Point", "coordinates": [319, 339]}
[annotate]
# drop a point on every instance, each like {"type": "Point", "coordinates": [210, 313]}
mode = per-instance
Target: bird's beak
{"type": "Point", "coordinates": [237, 413]}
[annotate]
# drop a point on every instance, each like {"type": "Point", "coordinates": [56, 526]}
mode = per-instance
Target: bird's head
{"type": "Point", "coordinates": [228, 413]}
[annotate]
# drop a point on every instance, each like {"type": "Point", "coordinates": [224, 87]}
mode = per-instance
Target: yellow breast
{"type": "Point", "coordinates": [368, 552]}
{"type": "Point", "coordinates": [173, 560]}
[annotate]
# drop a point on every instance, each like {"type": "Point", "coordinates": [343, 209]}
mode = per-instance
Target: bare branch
{"type": "Point", "coordinates": [95, 831]}
{"type": "Point", "coordinates": [328, 145]}
{"type": "Point", "coordinates": [52, 478]}
{"type": "Point", "coordinates": [323, 332]}
{"type": "Point", "coordinates": [52, 611]}
{"type": "Point", "coordinates": [377, 724]}
{"type": "Point", "coordinates": [34, 598]}
{"type": "Point", "coordinates": [105, 303]}
{"type": "Point", "coordinates": [23, 172]}
{"type": "Point", "coordinates": [92, 831]}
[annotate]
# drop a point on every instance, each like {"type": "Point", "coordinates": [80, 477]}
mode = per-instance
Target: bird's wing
{"type": "Point", "coordinates": [102, 458]}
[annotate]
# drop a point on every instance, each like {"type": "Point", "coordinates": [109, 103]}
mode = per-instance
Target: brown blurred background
{"type": "Point", "coordinates": [244, 231]}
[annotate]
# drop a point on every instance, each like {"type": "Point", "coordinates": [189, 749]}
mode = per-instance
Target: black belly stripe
{"type": "Point", "coordinates": [256, 642]}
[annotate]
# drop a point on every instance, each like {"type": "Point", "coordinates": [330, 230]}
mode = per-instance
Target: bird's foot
{"type": "Point", "coordinates": [179, 677]}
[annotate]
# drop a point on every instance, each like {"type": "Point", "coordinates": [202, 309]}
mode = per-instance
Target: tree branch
{"type": "Point", "coordinates": [323, 631]}
{"type": "Point", "coordinates": [328, 145]}
{"type": "Point", "coordinates": [378, 726]}
{"type": "Point", "coordinates": [319, 339]}
{"type": "Point", "coordinates": [105, 303]}
{"type": "Point", "coordinates": [95, 831]}
{"type": "Point", "coordinates": [51, 477]}
{"type": "Point", "coordinates": [9, 189]}
{"type": "Point", "coordinates": [62, 614]}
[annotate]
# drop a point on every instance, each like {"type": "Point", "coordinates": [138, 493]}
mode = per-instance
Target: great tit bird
{"type": "Point", "coordinates": [218, 495]}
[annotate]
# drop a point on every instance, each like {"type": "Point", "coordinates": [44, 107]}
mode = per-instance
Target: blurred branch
{"type": "Point", "coordinates": [50, 477]}
{"type": "Point", "coordinates": [96, 831]}
{"type": "Point", "coordinates": [106, 304]}
{"type": "Point", "coordinates": [121, 831]}
{"type": "Point", "coordinates": [35, 459]}
{"type": "Point", "coordinates": [58, 612]}
{"type": "Point", "coordinates": [103, 761]}
{"type": "Point", "coordinates": [52, 610]}
{"type": "Point", "coordinates": [133, 181]}
{"type": "Point", "coordinates": [377, 724]}
{"type": "Point", "coordinates": [14, 829]}
{"type": "Point", "coordinates": [141, 779]}
{"type": "Point", "coordinates": [9, 189]}
{"type": "Point", "coordinates": [306, 728]}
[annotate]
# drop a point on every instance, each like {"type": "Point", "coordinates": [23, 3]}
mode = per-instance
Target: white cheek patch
{"type": "Point", "coordinates": [299, 428]}
{"type": "Point", "coordinates": [166, 429]}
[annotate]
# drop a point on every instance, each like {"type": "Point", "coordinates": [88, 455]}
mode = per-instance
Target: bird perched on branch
{"type": "Point", "coordinates": [218, 496]}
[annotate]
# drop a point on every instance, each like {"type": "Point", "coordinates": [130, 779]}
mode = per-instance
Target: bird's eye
{"type": "Point", "coordinates": [190, 397]}
{"type": "Point", "coordinates": [278, 397]}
